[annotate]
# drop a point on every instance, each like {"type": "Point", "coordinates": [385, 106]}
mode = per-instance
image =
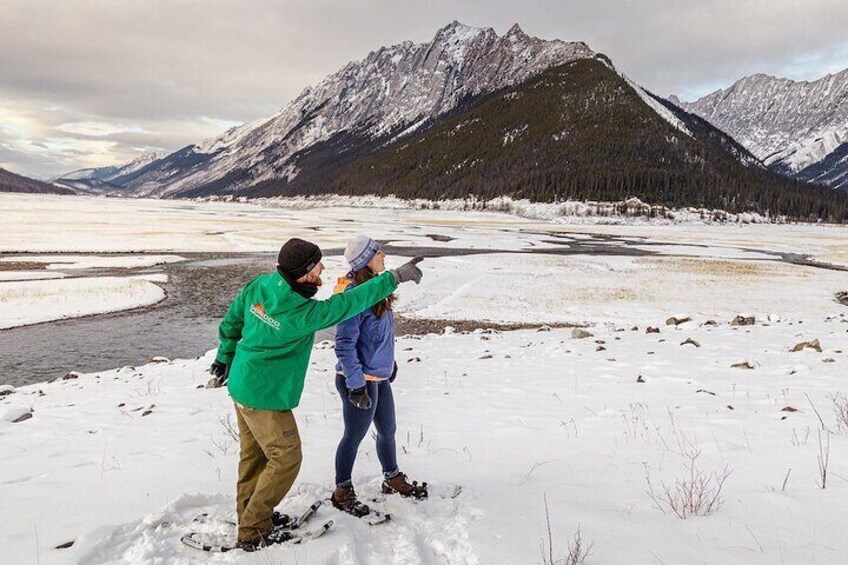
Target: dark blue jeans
{"type": "Point", "coordinates": [357, 422]}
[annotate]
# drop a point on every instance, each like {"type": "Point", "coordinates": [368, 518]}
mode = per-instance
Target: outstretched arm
{"type": "Point", "coordinates": [319, 314]}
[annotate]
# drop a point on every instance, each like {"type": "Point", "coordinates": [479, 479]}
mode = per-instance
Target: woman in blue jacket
{"type": "Point", "coordinates": [366, 368]}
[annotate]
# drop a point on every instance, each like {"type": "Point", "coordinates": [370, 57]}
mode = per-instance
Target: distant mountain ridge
{"type": "Point", "coordinates": [104, 180]}
{"type": "Point", "coordinates": [377, 126]}
{"type": "Point", "coordinates": [10, 182]}
{"type": "Point", "coordinates": [799, 128]}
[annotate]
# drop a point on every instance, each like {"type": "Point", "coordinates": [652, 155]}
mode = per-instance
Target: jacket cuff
{"type": "Point", "coordinates": [355, 381]}
{"type": "Point", "coordinates": [393, 278]}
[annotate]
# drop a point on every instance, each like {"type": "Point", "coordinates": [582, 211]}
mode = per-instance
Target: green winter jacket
{"type": "Point", "coordinates": [268, 332]}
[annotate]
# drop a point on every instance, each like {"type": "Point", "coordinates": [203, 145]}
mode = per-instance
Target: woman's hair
{"type": "Point", "coordinates": [382, 306]}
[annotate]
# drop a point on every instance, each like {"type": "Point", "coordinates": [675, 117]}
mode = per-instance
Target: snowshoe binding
{"type": "Point", "coordinates": [344, 499]}
{"type": "Point", "coordinates": [400, 485]}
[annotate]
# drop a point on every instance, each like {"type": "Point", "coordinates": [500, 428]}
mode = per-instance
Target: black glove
{"type": "Point", "coordinates": [359, 398]}
{"type": "Point", "coordinates": [394, 373]}
{"type": "Point", "coordinates": [408, 271]}
{"type": "Point", "coordinates": [219, 372]}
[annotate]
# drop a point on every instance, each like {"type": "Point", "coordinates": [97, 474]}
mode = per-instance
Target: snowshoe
{"type": "Point", "coordinates": [285, 530]}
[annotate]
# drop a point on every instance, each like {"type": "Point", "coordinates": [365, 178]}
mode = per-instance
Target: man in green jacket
{"type": "Point", "coordinates": [266, 340]}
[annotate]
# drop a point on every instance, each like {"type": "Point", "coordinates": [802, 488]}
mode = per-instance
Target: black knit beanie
{"type": "Point", "coordinates": [297, 257]}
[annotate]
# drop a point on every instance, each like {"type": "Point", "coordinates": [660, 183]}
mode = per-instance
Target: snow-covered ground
{"type": "Point", "coordinates": [29, 275]}
{"type": "Point", "coordinates": [113, 225]}
{"type": "Point", "coordinates": [581, 289]}
{"type": "Point", "coordinates": [120, 462]}
{"type": "Point", "coordinates": [514, 418]}
{"type": "Point", "coordinates": [32, 302]}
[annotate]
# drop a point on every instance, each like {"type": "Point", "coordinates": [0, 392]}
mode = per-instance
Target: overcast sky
{"type": "Point", "coordinates": [91, 83]}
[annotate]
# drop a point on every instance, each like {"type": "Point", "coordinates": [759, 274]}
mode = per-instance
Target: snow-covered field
{"type": "Point", "coordinates": [120, 462]}
{"type": "Point", "coordinates": [581, 289]}
{"type": "Point", "coordinates": [117, 225]}
{"type": "Point", "coordinates": [577, 288]}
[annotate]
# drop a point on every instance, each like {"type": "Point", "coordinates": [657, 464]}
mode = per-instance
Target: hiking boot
{"type": "Point", "coordinates": [249, 545]}
{"type": "Point", "coordinates": [275, 536]}
{"type": "Point", "coordinates": [344, 498]}
{"type": "Point", "coordinates": [398, 484]}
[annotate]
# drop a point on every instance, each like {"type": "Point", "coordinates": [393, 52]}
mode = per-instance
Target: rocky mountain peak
{"type": "Point", "coordinates": [515, 33]}
{"type": "Point", "coordinates": [790, 125]}
{"type": "Point", "coordinates": [392, 91]}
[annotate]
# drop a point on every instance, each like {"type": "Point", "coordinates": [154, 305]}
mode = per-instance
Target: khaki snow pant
{"type": "Point", "coordinates": [269, 461]}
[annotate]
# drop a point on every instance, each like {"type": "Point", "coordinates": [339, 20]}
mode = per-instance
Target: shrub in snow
{"type": "Point", "coordinates": [695, 494]}
{"type": "Point", "coordinates": [823, 459]}
{"type": "Point", "coordinates": [840, 409]}
{"type": "Point", "coordinates": [578, 551]}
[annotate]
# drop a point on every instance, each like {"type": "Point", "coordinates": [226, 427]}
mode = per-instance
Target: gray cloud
{"type": "Point", "coordinates": [158, 75]}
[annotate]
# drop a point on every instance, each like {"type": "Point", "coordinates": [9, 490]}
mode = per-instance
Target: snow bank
{"type": "Point", "coordinates": [13, 412]}
{"type": "Point", "coordinates": [630, 211]}
{"type": "Point", "coordinates": [32, 302]}
{"type": "Point", "coordinates": [73, 262]}
{"type": "Point", "coordinates": [29, 275]}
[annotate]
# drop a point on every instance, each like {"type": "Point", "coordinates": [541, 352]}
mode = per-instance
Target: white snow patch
{"type": "Point", "coordinates": [12, 412]}
{"type": "Point", "coordinates": [73, 262]}
{"type": "Point", "coordinates": [29, 275]}
{"type": "Point", "coordinates": [664, 112]}
{"type": "Point", "coordinates": [32, 302]}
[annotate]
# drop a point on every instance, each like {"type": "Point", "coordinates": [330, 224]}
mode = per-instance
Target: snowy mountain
{"type": "Point", "coordinates": [576, 131]}
{"type": "Point", "coordinates": [104, 179]}
{"type": "Point", "coordinates": [394, 90]}
{"type": "Point", "coordinates": [590, 132]}
{"type": "Point", "coordinates": [797, 128]}
{"type": "Point", "coordinates": [10, 182]}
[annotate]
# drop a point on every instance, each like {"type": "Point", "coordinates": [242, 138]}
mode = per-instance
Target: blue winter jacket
{"type": "Point", "coordinates": [365, 344]}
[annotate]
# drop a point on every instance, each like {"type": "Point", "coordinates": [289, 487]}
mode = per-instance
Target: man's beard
{"type": "Point", "coordinates": [308, 289]}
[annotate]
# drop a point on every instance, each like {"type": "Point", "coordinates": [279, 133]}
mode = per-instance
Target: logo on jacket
{"type": "Point", "coordinates": [259, 311]}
